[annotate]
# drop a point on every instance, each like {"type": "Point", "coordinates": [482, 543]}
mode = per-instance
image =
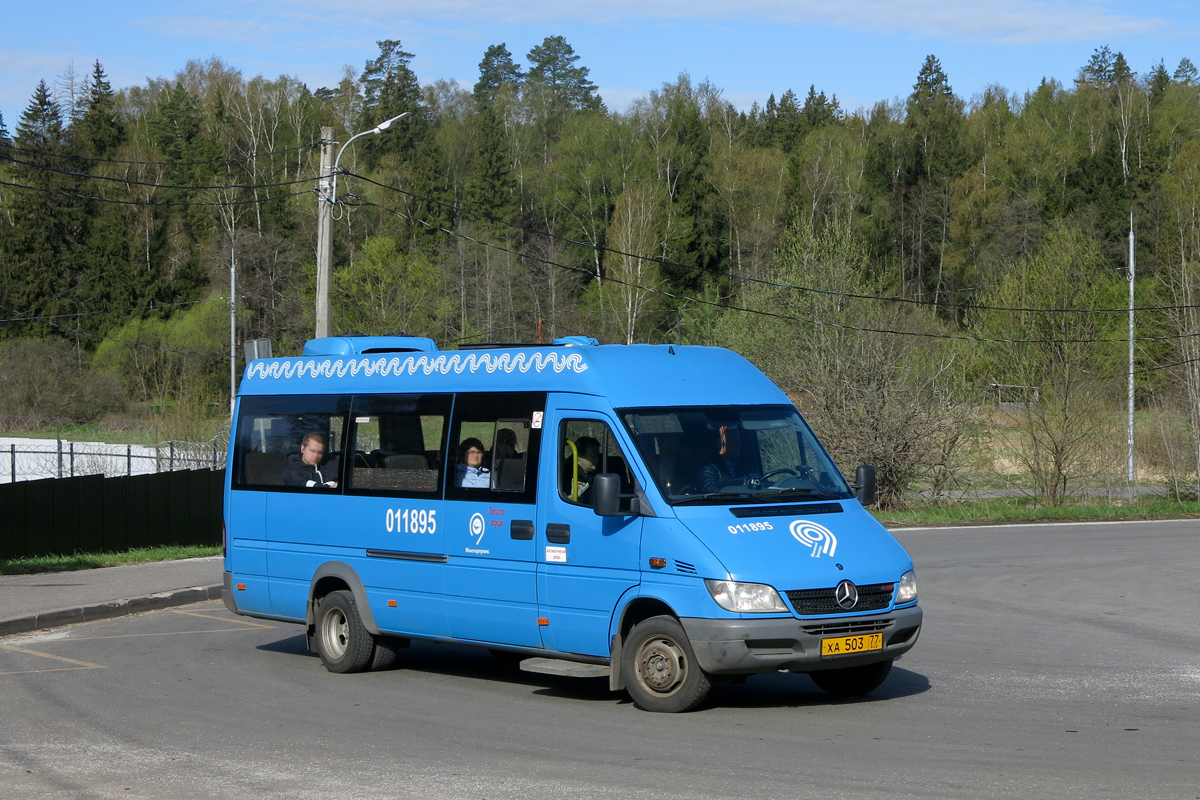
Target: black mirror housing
{"type": "Point", "coordinates": [606, 495]}
{"type": "Point", "coordinates": [864, 484]}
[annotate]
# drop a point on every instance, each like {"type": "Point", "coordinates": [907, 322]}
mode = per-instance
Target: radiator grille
{"type": "Point", "coordinates": [873, 597]}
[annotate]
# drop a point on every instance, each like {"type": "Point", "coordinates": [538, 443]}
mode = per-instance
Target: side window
{"type": "Point", "coordinates": [587, 448]}
{"type": "Point", "coordinates": [495, 440]}
{"type": "Point", "coordinates": [398, 445]}
{"type": "Point", "coordinates": [290, 443]}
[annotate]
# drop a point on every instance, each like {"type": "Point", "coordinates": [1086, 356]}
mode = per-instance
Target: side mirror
{"type": "Point", "coordinates": [606, 495]}
{"type": "Point", "coordinates": [864, 484]}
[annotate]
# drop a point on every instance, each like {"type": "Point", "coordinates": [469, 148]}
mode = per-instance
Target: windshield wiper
{"type": "Point", "coordinates": [819, 493]}
{"type": "Point", "coordinates": [711, 496]}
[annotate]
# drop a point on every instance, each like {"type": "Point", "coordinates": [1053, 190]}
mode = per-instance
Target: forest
{"type": "Point", "coordinates": [941, 283]}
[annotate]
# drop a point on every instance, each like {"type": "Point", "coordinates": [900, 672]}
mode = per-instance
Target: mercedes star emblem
{"type": "Point", "coordinates": [846, 595]}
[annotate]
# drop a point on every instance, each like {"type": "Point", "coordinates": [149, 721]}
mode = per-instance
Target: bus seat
{"type": "Point", "coordinates": [263, 469]}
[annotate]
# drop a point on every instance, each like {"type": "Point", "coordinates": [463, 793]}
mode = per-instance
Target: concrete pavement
{"type": "Point", "coordinates": [47, 600]}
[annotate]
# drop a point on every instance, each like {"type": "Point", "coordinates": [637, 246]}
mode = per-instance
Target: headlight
{"type": "Point", "coordinates": [908, 588]}
{"type": "Point", "coordinates": [733, 596]}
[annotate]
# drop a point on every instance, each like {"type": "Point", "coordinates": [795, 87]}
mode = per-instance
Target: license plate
{"type": "Point", "coordinates": [851, 645]}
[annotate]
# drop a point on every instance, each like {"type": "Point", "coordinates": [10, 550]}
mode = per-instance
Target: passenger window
{"type": "Point", "coordinates": [398, 444]}
{"type": "Point", "coordinates": [290, 443]}
{"type": "Point", "coordinates": [588, 449]}
{"type": "Point", "coordinates": [496, 439]}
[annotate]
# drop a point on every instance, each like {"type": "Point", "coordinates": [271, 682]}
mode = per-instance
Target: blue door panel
{"type": "Point", "coordinates": [413, 615]}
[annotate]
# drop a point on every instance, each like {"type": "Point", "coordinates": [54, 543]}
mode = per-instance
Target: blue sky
{"type": "Point", "coordinates": [861, 50]}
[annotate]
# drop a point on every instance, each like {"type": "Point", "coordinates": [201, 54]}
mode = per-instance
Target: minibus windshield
{"type": "Point", "coordinates": [733, 454]}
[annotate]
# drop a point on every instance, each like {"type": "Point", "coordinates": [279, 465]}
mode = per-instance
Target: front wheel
{"type": "Point", "coordinates": [660, 669]}
{"type": "Point", "coordinates": [342, 641]}
{"type": "Point", "coordinates": [852, 681]}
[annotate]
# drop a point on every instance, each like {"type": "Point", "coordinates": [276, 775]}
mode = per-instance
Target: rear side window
{"type": "Point", "coordinates": [495, 443]}
{"type": "Point", "coordinates": [398, 445]}
{"type": "Point", "coordinates": [273, 435]}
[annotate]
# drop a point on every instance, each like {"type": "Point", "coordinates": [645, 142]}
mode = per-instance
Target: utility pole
{"type": "Point", "coordinates": [232, 325]}
{"type": "Point", "coordinates": [1131, 276]}
{"type": "Point", "coordinates": [325, 231]}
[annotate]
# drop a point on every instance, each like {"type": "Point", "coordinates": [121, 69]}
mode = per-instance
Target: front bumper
{"type": "Point", "coordinates": [748, 646]}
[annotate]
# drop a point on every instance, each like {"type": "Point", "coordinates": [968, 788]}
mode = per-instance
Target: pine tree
{"type": "Point", "coordinates": [490, 187]}
{"type": "Point", "coordinates": [787, 121]}
{"type": "Point", "coordinates": [390, 88]}
{"type": "Point", "coordinates": [934, 118]}
{"type": "Point", "coordinates": [552, 68]}
{"type": "Point", "coordinates": [37, 258]}
{"type": "Point", "coordinates": [1099, 69]}
{"type": "Point", "coordinates": [1186, 73]}
{"type": "Point", "coordinates": [101, 130]}
{"type": "Point", "coordinates": [495, 70]}
{"type": "Point", "coordinates": [5, 141]}
{"type": "Point", "coordinates": [1160, 79]}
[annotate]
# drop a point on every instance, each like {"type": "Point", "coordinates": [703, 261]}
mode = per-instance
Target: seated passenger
{"type": "Point", "coordinates": [304, 469]}
{"type": "Point", "coordinates": [505, 446]}
{"type": "Point", "coordinates": [471, 473]}
{"type": "Point", "coordinates": [588, 449]}
{"type": "Point", "coordinates": [726, 468]}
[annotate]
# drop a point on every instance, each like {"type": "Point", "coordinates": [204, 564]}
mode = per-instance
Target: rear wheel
{"type": "Point", "coordinates": [342, 641]}
{"type": "Point", "coordinates": [660, 669]}
{"type": "Point", "coordinates": [852, 681]}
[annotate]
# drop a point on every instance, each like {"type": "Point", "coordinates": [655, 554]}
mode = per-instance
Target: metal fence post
{"type": "Point", "coordinates": [72, 459]}
{"type": "Point", "coordinates": [13, 453]}
{"type": "Point", "coordinates": [171, 463]}
{"type": "Point", "coordinates": [129, 459]}
{"type": "Point", "coordinates": [60, 457]}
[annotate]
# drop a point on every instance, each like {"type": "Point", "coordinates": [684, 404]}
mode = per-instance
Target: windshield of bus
{"type": "Point", "coordinates": [733, 454]}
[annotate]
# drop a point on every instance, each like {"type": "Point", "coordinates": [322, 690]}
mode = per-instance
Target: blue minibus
{"type": "Point", "coordinates": [660, 515]}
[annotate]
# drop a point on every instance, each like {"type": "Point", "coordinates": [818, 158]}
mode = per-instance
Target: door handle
{"type": "Point", "coordinates": [558, 533]}
{"type": "Point", "coordinates": [521, 529]}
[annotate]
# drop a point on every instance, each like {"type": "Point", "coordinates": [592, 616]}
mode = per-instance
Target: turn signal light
{"type": "Point", "coordinates": [391, 603]}
{"type": "Point", "coordinates": [241, 587]}
{"type": "Point", "coordinates": [658, 563]}
{"type": "Point", "coordinates": [543, 621]}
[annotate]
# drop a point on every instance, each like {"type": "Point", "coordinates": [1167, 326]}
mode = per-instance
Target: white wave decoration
{"type": "Point", "coordinates": [386, 366]}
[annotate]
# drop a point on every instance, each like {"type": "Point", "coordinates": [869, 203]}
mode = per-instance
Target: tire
{"type": "Point", "coordinates": [342, 642]}
{"type": "Point", "coordinates": [387, 651]}
{"type": "Point", "coordinates": [660, 669]}
{"type": "Point", "coordinates": [852, 681]}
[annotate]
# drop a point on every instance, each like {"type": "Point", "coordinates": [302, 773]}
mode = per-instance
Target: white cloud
{"type": "Point", "coordinates": [982, 21]}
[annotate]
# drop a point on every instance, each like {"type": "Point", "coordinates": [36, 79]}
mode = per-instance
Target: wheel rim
{"type": "Point", "coordinates": [335, 633]}
{"type": "Point", "coordinates": [661, 665]}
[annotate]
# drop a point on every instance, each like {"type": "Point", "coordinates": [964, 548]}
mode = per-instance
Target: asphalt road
{"type": "Point", "coordinates": [1056, 661]}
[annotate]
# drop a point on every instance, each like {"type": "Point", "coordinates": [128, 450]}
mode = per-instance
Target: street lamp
{"type": "Point", "coordinates": [327, 200]}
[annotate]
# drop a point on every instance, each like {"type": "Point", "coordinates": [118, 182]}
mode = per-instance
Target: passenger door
{"type": "Point", "coordinates": [586, 562]}
{"type": "Point", "coordinates": [491, 586]}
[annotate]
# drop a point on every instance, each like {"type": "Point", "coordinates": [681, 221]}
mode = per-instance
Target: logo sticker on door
{"type": "Point", "coordinates": [477, 527]}
{"type": "Point", "coordinates": [818, 537]}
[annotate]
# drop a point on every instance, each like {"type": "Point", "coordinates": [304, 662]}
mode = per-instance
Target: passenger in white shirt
{"type": "Point", "coordinates": [471, 473]}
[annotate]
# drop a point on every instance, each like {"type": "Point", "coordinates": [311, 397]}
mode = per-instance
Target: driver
{"type": "Point", "coordinates": [726, 468]}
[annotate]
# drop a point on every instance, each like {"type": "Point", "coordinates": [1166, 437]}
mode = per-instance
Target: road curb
{"type": "Point", "coordinates": [109, 609]}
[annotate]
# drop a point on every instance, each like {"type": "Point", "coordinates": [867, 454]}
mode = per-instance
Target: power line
{"type": "Point", "coordinates": [129, 182]}
{"type": "Point", "coordinates": [759, 312]}
{"type": "Point", "coordinates": [762, 281]}
{"type": "Point", "coordinates": [93, 159]}
{"type": "Point", "coordinates": [155, 203]}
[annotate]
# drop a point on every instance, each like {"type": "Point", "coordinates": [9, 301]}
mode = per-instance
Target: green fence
{"type": "Point", "coordinates": [92, 513]}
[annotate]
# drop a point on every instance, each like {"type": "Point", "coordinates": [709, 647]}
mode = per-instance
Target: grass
{"type": "Point", "coordinates": [1022, 509]}
{"type": "Point", "coordinates": [144, 555]}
